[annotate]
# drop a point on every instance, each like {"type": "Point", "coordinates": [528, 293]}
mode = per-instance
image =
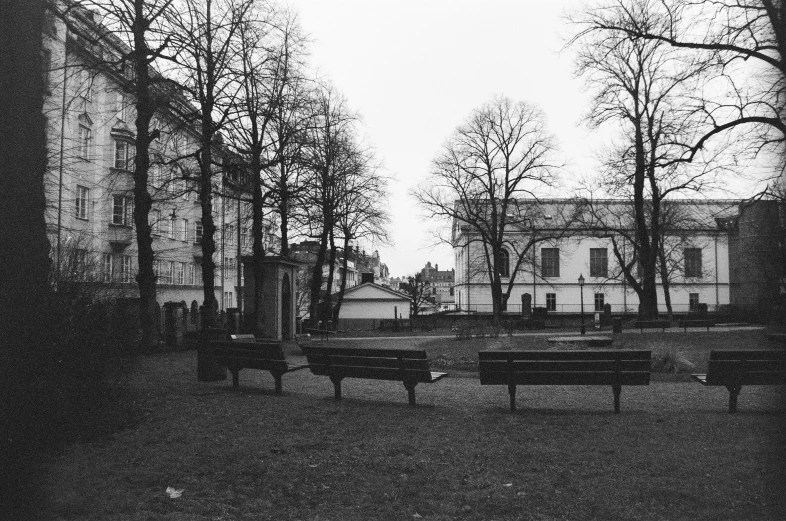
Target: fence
{"type": "Point", "coordinates": [589, 307]}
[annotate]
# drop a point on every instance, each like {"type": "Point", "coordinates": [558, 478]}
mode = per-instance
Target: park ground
{"type": "Point", "coordinates": [673, 452]}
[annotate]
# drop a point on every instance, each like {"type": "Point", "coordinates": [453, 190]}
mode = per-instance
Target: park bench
{"type": "Point", "coordinates": [734, 368]}
{"type": "Point", "coordinates": [596, 367]}
{"type": "Point", "coordinates": [405, 365]}
{"type": "Point", "coordinates": [266, 355]}
{"type": "Point", "coordinates": [652, 324]}
{"type": "Point", "coordinates": [698, 322]}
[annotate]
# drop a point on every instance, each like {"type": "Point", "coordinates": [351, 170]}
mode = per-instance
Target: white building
{"type": "Point", "coordinates": [698, 258]}
{"type": "Point", "coordinates": [366, 304]}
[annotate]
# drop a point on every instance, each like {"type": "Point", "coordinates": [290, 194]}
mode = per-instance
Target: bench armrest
{"type": "Point", "coordinates": [298, 368]}
{"type": "Point", "coordinates": [701, 378]}
{"type": "Point", "coordinates": [437, 376]}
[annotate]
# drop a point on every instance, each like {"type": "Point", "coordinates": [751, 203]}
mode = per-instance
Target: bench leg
{"type": "Point", "coordinates": [617, 390]}
{"type": "Point", "coordinates": [235, 377]}
{"type": "Point", "coordinates": [411, 392]}
{"type": "Point", "coordinates": [734, 391]}
{"type": "Point", "coordinates": [512, 392]}
{"type": "Point", "coordinates": [336, 387]}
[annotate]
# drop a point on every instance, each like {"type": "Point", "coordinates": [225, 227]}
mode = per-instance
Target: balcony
{"type": "Point", "coordinates": [120, 235]}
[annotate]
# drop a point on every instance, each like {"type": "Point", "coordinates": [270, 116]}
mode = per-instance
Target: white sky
{"type": "Point", "coordinates": [415, 69]}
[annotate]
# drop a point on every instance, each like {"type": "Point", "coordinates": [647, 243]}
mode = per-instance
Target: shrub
{"type": "Point", "coordinates": [668, 359]}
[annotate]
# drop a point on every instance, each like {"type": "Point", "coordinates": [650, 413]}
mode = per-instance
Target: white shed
{"type": "Point", "coordinates": [366, 304]}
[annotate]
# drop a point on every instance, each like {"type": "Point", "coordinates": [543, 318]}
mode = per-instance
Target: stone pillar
{"type": "Point", "coordinates": [526, 305]}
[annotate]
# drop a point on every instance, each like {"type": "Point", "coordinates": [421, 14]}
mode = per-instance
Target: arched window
{"type": "Point", "coordinates": [504, 263]}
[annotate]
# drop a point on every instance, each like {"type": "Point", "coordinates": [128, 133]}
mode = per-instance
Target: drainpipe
{"type": "Point", "coordinates": [717, 288]}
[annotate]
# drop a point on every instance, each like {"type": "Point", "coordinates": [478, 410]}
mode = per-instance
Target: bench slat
{"type": "Point", "coordinates": [403, 363]}
{"type": "Point", "coordinates": [744, 354]}
{"type": "Point", "coordinates": [590, 354]}
{"type": "Point", "coordinates": [412, 354]}
{"type": "Point", "coordinates": [565, 365]}
{"type": "Point", "coordinates": [566, 378]}
{"type": "Point", "coordinates": [375, 373]}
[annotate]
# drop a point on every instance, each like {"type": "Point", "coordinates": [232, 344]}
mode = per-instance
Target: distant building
{"type": "Point", "coordinates": [366, 304]}
{"type": "Point", "coordinates": [439, 285]}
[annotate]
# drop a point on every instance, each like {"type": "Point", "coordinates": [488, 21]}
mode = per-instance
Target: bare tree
{"type": "Point", "coordinates": [501, 153]}
{"type": "Point", "coordinates": [327, 156]}
{"type": "Point", "coordinates": [271, 50]}
{"type": "Point", "coordinates": [737, 47]}
{"type": "Point", "coordinates": [417, 289]}
{"type": "Point", "coordinates": [360, 211]}
{"type": "Point", "coordinates": [208, 35]}
{"type": "Point", "coordinates": [641, 86]}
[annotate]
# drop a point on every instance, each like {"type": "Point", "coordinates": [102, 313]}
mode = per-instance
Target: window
{"type": "Point", "coordinates": [125, 268]}
{"type": "Point", "coordinates": [180, 268]}
{"type": "Point", "coordinates": [693, 301]}
{"type": "Point", "coordinates": [184, 231]}
{"type": "Point", "coordinates": [121, 107]}
{"type": "Point", "coordinates": [504, 263]}
{"type": "Point", "coordinates": [123, 154]}
{"type": "Point", "coordinates": [599, 265]}
{"type": "Point", "coordinates": [82, 198]}
{"type": "Point", "coordinates": [172, 227]}
{"type": "Point", "coordinates": [551, 302]}
{"type": "Point", "coordinates": [107, 267]}
{"type": "Point", "coordinates": [190, 280]}
{"type": "Point", "coordinates": [599, 301]}
{"type": "Point", "coordinates": [693, 262]}
{"type": "Point", "coordinates": [229, 236]}
{"type": "Point", "coordinates": [171, 187]}
{"type": "Point", "coordinates": [155, 226]}
{"type": "Point", "coordinates": [549, 262]}
{"type": "Point", "coordinates": [244, 236]}
{"type": "Point", "coordinates": [122, 210]}
{"type": "Point", "coordinates": [170, 272]}
{"type": "Point", "coordinates": [85, 140]}
{"type": "Point", "coordinates": [227, 299]}
{"type": "Point", "coordinates": [157, 270]}
{"type": "Point", "coordinates": [198, 232]}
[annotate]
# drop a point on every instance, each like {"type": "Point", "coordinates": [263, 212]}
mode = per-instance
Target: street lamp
{"type": "Point", "coordinates": [581, 286]}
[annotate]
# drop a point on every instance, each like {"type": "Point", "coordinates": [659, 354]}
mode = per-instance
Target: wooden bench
{"type": "Point", "coordinates": [703, 322]}
{"type": "Point", "coordinates": [734, 368]}
{"type": "Point", "coordinates": [266, 355]}
{"type": "Point", "coordinates": [597, 367]}
{"type": "Point", "coordinates": [652, 324]}
{"type": "Point", "coordinates": [405, 365]}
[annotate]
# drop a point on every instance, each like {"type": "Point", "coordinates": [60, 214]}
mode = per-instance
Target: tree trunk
{"type": "Point", "coordinates": [344, 265]}
{"type": "Point", "coordinates": [328, 310]}
{"type": "Point", "coordinates": [664, 277]}
{"type": "Point", "coordinates": [208, 227]}
{"type": "Point", "coordinates": [316, 278]}
{"type": "Point", "coordinates": [258, 250]}
{"type": "Point", "coordinates": [146, 279]}
{"type": "Point", "coordinates": [283, 209]}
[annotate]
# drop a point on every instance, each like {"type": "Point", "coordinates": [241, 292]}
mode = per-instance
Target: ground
{"type": "Point", "coordinates": [673, 453]}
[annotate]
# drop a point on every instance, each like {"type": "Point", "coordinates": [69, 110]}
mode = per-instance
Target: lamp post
{"type": "Point", "coordinates": [581, 287]}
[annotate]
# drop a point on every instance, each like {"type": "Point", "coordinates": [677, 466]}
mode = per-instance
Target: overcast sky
{"type": "Point", "coordinates": [414, 69]}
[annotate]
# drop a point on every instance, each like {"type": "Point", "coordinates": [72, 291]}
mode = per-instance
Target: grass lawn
{"type": "Point", "coordinates": [673, 453]}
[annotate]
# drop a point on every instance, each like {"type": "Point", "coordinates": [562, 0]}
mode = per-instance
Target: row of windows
{"type": "Point", "coordinates": [600, 301]}
{"type": "Point", "coordinates": [599, 262]}
{"type": "Point", "coordinates": [177, 273]}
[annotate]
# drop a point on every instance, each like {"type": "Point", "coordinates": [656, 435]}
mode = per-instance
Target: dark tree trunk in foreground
{"type": "Point", "coordinates": [24, 256]}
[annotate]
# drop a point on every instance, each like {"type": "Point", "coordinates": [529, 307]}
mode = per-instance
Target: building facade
{"type": "Point", "coordinates": [89, 185]}
{"type": "Point", "coordinates": [698, 247]}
